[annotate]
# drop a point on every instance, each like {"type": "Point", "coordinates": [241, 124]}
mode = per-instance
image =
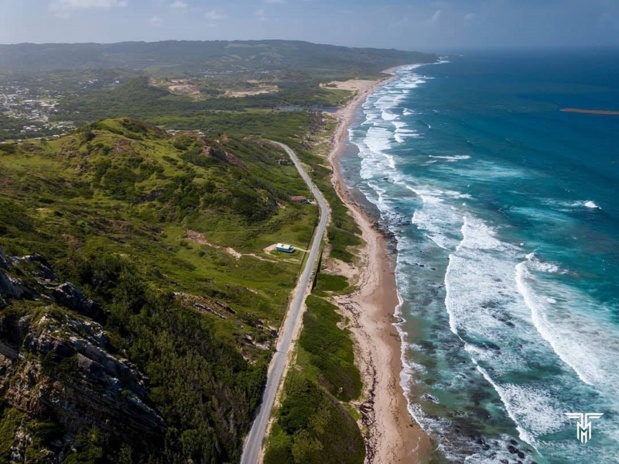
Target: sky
{"type": "Point", "coordinates": [423, 25]}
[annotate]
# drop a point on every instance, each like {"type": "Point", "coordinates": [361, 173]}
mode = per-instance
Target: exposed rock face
{"type": "Point", "coordinates": [54, 363]}
{"type": "Point", "coordinates": [70, 296]}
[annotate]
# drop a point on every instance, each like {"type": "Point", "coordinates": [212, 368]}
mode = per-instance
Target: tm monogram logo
{"type": "Point", "coordinates": [583, 426]}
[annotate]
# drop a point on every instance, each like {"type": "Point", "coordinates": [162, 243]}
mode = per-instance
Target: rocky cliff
{"type": "Point", "coordinates": [55, 363]}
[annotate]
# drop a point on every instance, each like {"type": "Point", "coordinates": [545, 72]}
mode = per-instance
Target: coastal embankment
{"type": "Point", "coordinates": [392, 436]}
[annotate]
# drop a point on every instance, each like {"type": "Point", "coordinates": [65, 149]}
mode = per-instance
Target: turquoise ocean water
{"type": "Point", "coordinates": [506, 213]}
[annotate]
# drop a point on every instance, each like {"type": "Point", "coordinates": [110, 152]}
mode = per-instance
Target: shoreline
{"type": "Point", "coordinates": [392, 435]}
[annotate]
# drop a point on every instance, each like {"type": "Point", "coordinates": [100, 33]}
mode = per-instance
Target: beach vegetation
{"type": "Point", "coordinates": [313, 427]}
{"type": "Point", "coordinates": [331, 284]}
{"type": "Point", "coordinates": [314, 423]}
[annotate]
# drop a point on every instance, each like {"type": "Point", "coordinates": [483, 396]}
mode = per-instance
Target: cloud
{"type": "Point", "coordinates": [215, 15]}
{"type": "Point", "coordinates": [178, 4]}
{"type": "Point", "coordinates": [65, 7]}
{"type": "Point", "coordinates": [156, 21]}
{"type": "Point", "coordinates": [260, 14]}
{"type": "Point", "coordinates": [471, 18]}
{"type": "Point", "coordinates": [275, 1]}
{"type": "Point", "coordinates": [435, 17]}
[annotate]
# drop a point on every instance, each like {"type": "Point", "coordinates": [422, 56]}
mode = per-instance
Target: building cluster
{"type": "Point", "coordinates": [33, 108]}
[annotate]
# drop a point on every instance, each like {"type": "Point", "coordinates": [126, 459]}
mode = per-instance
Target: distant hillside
{"type": "Point", "coordinates": [213, 56]}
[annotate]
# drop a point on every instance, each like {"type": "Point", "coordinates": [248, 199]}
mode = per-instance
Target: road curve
{"type": "Point", "coordinates": [253, 442]}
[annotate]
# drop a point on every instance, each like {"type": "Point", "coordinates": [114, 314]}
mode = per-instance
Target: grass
{"type": "Point", "coordinates": [328, 284]}
{"type": "Point", "coordinates": [10, 420]}
{"type": "Point", "coordinates": [312, 427]}
{"type": "Point", "coordinates": [315, 422]}
{"type": "Point", "coordinates": [289, 128]}
{"type": "Point", "coordinates": [330, 349]}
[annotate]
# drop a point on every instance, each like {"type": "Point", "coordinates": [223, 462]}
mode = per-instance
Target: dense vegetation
{"type": "Point", "coordinates": [140, 221]}
{"type": "Point", "coordinates": [313, 424]}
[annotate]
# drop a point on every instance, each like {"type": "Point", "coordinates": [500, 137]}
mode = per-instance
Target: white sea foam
{"type": "Point", "coordinates": [541, 266]}
{"type": "Point", "coordinates": [486, 170]}
{"type": "Point", "coordinates": [487, 310]}
{"type": "Point", "coordinates": [567, 206]}
{"type": "Point", "coordinates": [403, 132]}
{"type": "Point", "coordinates": [437, 217]}
{"type": "Point", "coordinates": [511, 407]}
{"type": "Point", "coordinates": [490, 289]}
{"type": "Point", "coordinates": [373, 151]}
{"type": "Point", "coordinates": [477, 277]}
{"type": "Point", "coordinates": [388, 116]}
{"type": "Point", "coordinates": [450, 159]}
{"type": "Point", "coordinates": [573, 325]}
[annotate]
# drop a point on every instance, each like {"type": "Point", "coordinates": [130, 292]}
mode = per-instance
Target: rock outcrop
{"type": "Point", "coordinates": [55, 363]}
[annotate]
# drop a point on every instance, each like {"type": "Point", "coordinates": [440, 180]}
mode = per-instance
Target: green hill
{"type": "Point", "coordinates": [138, 307]}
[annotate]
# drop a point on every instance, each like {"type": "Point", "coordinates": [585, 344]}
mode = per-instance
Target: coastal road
{"type": "Point", "coordinates": [253, 442]}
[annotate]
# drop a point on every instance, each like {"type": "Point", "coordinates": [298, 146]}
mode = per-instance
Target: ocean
{"type": "Point", "coordinates": [505, 212]}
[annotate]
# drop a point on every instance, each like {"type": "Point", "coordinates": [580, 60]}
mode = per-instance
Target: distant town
{"type": "Point", "coordinates": [33, 109]}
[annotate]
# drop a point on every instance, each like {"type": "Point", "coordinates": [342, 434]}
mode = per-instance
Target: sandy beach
{"type": "Point", "coordinates": [392, 436]}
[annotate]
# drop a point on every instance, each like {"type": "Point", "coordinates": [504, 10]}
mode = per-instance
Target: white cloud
{"type": "Point", "coordinates": [178, 4]}
{"type": "Point", "coordinates": [156, 21]}
{"type": "Point", "coordinates": [470, 17]}
{"type": "Point", "coordinates": [68, 5]}
{"type": "Point", "coordinates": [436, 17]}
{"type": "Point", "coordinates": [275, 1]}
{"type": "Point", "coordinates": [260, 14]}
{"type": "Point", "coordinates": [63, 8]}
{"type": "Point", "coordinates": [215, 15]}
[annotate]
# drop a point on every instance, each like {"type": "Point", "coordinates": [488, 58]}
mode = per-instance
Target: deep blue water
{"type": "Point", "coordinates": [506, 212]}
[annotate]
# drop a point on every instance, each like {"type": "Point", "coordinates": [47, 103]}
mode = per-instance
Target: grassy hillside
{"type": "Point", "coordinates": [167, 235]}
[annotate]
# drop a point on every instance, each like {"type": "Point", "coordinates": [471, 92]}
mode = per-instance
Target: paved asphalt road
{"type": "Point", "coordinates": [253, 443]}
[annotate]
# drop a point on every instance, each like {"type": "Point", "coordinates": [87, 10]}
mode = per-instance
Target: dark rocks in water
{"type": "Point", "coordinates": [512, 449]}
{"type": "Point", "coordinates": [491, 346]}
{"type": "Point", "coordinates": [513, 442]}
{"type": "Point", "coordinates": [426, 345]}
{"type": "Point", "coordinates": [478, 396]}
{"type": "Point", "coordinates": [431, 398]}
